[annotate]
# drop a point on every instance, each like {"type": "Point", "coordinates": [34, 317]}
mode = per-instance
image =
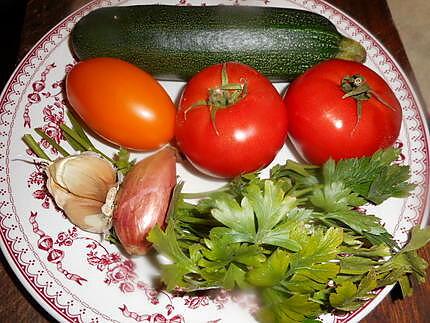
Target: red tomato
{"type": "Point", "coordinates": [121, 103]}
{"type": "Point", "coordinates": [322, 124]}
{"type": "Point", "coordinates": [243, 135]}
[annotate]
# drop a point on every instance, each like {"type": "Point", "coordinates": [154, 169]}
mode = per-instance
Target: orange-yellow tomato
{"type": "Point", "coordinates": [121, 103]}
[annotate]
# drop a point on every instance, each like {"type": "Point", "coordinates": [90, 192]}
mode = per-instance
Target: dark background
{"type": "Point", "coordinates": [11, 23]}
{"type": "Point", "coordinates": [12, 17]}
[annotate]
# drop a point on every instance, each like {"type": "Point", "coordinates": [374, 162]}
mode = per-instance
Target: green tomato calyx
{"type": "Point", "coordinates": [221, 97]}
{"type": "Point", "coordinates": [356, 86]}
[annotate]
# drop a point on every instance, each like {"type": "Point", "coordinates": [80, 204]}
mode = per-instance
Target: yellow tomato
{"type": "Point", "coordinates": [121, 103]}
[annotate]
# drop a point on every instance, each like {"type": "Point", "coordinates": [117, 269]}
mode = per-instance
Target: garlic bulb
{"type": "Point", "coordinates": [143, 200]}
{"type": "Point", "coordinates": [79, 185]}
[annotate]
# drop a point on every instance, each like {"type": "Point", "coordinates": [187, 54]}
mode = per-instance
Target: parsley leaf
{"type": "Point", "coordinates": [278, 308]}
{"type": "Point", "coordinates": [297, 238]}
{"type": "Point", "coordinates": [366, 225]}
{"type": "Point", "coordinates": [375, 178]}
{"type": "Point", "coordinates": [335, 197]}
{"type": "Point", "coordinates": [167, 244]}
{"type": "Point", "coordinates": [239, 218]}
{"type": "Point", "coordinates": [256, 219]}
{"type": "Point", "coordinates": [122, 161]}
{"type": "Point", "coordinates": [272, 271]}
{"type": "Point", "coordinates": [406, 263]}
{"type": "Point", "coordinates": [419, 238]}
{"type": "Point", "coordinates": [349, 296]}
{"type": "Point", "coordinates": [314, 263]}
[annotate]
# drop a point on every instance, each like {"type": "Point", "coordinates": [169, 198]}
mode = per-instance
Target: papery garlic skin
{"type": "Point", "coordinates": [79, 185]}
{"type": "Point", "coordinates": [143, 200]}
{"type": "Point", "coordinates": [87, 175]}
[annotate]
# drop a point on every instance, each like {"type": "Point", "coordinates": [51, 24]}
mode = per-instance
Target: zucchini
{"type": "Point", "coordinates": [174, 43]}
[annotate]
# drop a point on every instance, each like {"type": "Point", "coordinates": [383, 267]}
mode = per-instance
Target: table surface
{"type": "Point", "coordinates": [41, 15]}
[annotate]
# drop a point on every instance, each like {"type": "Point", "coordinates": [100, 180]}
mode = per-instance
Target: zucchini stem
{"type": "Point", "coordinates": [351, 50]}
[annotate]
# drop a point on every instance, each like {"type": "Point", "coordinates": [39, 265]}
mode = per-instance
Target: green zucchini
{"type": "Point", "coordinates": [174, 43]}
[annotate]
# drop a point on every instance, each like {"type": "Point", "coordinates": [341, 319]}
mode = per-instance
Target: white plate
{"type": "Point", "coordinates": [77, 277]}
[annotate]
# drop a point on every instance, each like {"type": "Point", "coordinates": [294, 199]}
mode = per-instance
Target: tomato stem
{"type": "Point", "coordinates": [357, 87]}
{"type": "Point", "coordinates": [221, 97]}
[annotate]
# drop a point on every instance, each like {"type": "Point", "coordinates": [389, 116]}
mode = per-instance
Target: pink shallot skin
{"type": "Point", "coordinates": [143, 200]}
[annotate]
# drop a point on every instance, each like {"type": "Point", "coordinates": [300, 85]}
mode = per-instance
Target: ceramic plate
{"type": "Point", "coordinates": [78, 277]}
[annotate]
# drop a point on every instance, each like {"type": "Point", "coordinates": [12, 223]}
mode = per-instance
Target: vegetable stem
{"type": "Point", "coordinates": [199, 195]}
{"type": "Point", "coordinates": [81, 141]}
{"type": "Point", "coordinates": [352, 50]}
{"type": "Point", "coordinates": [72, 133]}
{"type": "Point", "coordinates": [78, 129]}
{"type": "Point", "coordinates": [52, 142]}
{"type": "Point", "coordinates": [300, 168]}
{"type": "Point", "coordinates": [299, 193]}
{"type": "Point", "coordinates": [34, 146]}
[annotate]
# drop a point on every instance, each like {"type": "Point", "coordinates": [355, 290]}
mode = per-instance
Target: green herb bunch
{"type": "Point", "coordinates": [299, 238]}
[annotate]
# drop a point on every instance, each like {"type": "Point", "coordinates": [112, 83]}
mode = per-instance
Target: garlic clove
{"type": "Point", "coordinates": [86, 175]}
{"type": "Point", "coordinates": [80, 185]}
{"type": "Point", "coordinates": [86, 214]}
{"type": "Point", "coordinates": [59, 194]}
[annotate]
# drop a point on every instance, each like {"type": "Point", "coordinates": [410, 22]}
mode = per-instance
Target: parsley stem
{"type": "Point", "coordinates": [300, 168]}
{"type": "Point", "coordinates": [175, 196]}
{"type": "Point", "coordinates": [199, 195]}
{"type": "Point", "coordinates": [304, 191]}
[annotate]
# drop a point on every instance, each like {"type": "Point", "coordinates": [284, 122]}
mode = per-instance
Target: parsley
{"type": "Point", "coordinates": [260, 219]}
{"type": "Point", "coordinates": [374, 178]}
{"type": "Point", "coordinates": [122, 161]}
{"type": "Point", "coordinates": [297, 238]}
